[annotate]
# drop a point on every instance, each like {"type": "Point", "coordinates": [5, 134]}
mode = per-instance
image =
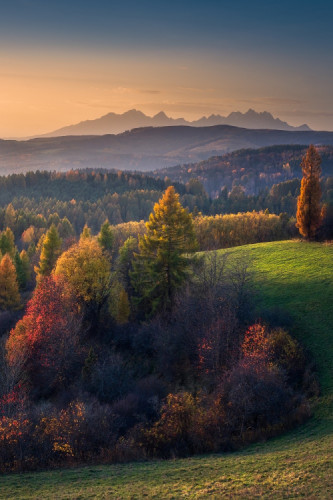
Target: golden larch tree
{"type": "Point", "coordinates": [9, 288]}
{"type": "Point", "coordinates": [162, 264]}
{"type": "Point", "coordinates": [309, 214]}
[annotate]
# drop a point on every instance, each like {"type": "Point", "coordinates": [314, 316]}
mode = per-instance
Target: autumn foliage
{"type": "Point", "coordinates": [141, 350]}
{"type": "Point", "coordinates": [9, 287]}
{"type": "Point", "coordinates": [309, 214]}
{"type": "Point", "coordinates": [45, 340]}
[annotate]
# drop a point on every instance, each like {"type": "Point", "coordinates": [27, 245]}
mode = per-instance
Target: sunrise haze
{"type": "Point", "coordinates": [63, 62]}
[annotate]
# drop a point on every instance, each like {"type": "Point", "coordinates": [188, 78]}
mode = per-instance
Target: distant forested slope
{"type": "Point", "coordinates": [253, 169]}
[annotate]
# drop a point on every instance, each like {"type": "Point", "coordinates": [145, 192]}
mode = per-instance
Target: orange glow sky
{"type": "Point", "coordinates": [192, 68]}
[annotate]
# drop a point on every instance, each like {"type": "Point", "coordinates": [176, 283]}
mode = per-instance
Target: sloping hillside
{"type": "Point", "coordinates": [293, 276]}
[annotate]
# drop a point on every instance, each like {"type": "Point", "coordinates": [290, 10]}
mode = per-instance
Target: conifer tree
{"type": "Point", "coordinates": [308, 214]}
{"type": "Point", "coordinates": [51, 249]}
{"type": "Point", "coordinates": [26, 270]}
{"type": "Point", "coordinates": [161, 266]}
{"type": "Point", "coordinates": [19, 271]}
{"type": "Point", "coordinates": [106, 237]}
{"type": "Point", "coordinates": [124, 263]}
{"type": "Point", "coordinates": [86, 233]}
{"type": "Point", "coordinates": [9, 288]}
{"type": "Point", "coordinates": [22, 266]}
{"type": "Point", "coordinates": [10, 216]}
{"type": "Point", "coordinates": [65, 228]}
{"type": "Point", "coordinates": [7, 242]}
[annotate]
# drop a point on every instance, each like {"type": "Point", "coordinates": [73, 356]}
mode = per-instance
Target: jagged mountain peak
{"type": "Point", "coordinates": [113, 123]}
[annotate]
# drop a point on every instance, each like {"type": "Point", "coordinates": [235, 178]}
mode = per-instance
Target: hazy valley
{"type": "Point", "coordinates": [143, 148]}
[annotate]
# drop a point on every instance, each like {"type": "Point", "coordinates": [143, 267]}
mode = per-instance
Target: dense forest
{"type": "Point", "coordinates": [31, 202]}
{"type": "Point", "coordinates": [142, 350]}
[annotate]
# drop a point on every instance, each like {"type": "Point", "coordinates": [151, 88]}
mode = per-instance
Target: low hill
{"type": "Point", "coordinates": [295, 277]}
{"type": "Point", "coordinates": [113, 123]}
{"type": "Point", "coordinates": [144, 148]}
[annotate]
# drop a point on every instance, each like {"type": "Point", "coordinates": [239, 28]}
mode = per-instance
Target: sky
{"type": "Point", "coordinates": [64, 61]}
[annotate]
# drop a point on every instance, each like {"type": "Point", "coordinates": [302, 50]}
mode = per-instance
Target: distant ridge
{"type": "Point", "coordinates": [145, 148]}
{"type": "Point", "coordinates": [114, 123]}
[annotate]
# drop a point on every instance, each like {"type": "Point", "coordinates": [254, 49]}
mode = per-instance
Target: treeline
{"type": "Point", "coordinates": [224, 231]}
{"type": "Point", "coordinates": [212, 232]}
{"type": "Point", "coordinates": [86, 197]}
{"type": "Point", "coordinates": [278, 199]}
{"type": "Point", "coordinates": [28, 202]}
{"type": "Point", "coordinates": [78, 184]}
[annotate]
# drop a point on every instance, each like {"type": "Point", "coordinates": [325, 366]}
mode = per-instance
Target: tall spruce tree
{"type": "Point", "coordinates": [309, 216]}
{"type": "Point", "coordinates": [21, 271]}
{"type": "Point", "coordinates": [51, 250]}
{"type": "Point", "coordinates": [162, 264]}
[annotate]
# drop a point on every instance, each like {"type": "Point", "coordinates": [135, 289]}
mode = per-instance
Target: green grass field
{"type": "Point", "coordinates": [294, 276]}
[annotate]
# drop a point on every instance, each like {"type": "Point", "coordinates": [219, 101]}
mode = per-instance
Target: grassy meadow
{"type": "Point", "coordinates": [291, 276]}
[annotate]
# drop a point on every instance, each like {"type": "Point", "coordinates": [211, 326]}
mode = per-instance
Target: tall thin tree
{"type": "Point", "coordinates": [51, 250]}
{"type": "Point", "coordinates": [309, 214]}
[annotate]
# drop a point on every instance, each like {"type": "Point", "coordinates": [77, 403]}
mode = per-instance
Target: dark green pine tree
{"type": "Point", "coordinates": [7, 242]}
{"type": "Point", "coordinates": [162, 264]}
{"type": "Point", "coordinates": [22, 266]}
{"type": "Point", "coordinates": [51, 250]}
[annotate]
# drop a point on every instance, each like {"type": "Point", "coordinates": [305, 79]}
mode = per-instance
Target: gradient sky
{"type": "Point", "coordinates": [63, 61]}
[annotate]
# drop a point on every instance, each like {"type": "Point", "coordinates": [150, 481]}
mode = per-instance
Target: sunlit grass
{"type": "Point", "coordinates": [293, 276]}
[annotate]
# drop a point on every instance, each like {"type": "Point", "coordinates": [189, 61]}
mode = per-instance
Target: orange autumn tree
{"type": "Point", "coordinates": [309, 214]}
{"type": "Point", "coordinates": [45, 340]}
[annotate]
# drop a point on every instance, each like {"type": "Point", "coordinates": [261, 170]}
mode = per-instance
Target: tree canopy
{"type": "Point", "coordinates": [9, 288]}
{"type": "Point", "coordinates": [51, 249]}
{"type": "Point", "coordinates": [86, 269]}
{"type": "Point", "coordinates": [161, 266]}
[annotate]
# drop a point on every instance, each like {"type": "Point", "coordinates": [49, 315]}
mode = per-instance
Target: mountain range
{"type": "Point", "coordinates": [144, 148]}
{"type": "Point", "coordinates": [114, 123]}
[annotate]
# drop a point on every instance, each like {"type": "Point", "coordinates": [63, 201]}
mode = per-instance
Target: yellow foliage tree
{"type": "Point", "coordinates": [9, 288]}
{"type": "Point", "coordinates": [87, 271]}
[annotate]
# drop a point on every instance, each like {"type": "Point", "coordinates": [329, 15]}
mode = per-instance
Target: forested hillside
{"type": "Point", "coordinates": [78, 197]}
{"type": "Point", "coordinates": [256, 170]}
